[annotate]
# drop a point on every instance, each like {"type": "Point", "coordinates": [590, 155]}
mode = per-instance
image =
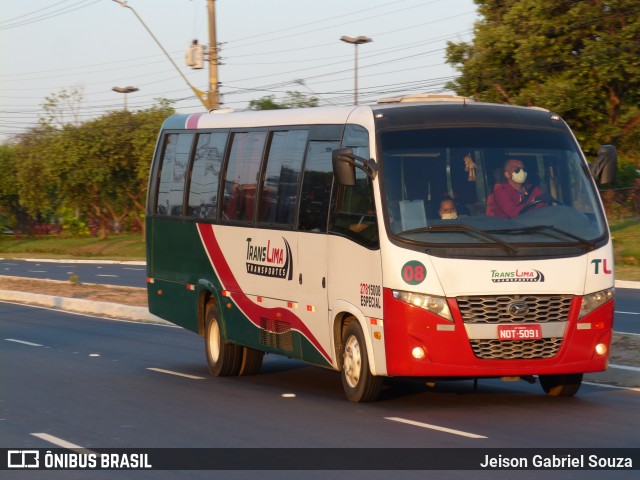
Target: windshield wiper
{"type": "Point", "coordinates": [462, 228]}
{"type": "Point", "coordinates": [587, 245]}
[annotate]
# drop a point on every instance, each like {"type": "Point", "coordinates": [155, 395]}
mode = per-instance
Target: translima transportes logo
{"type": "Point", "coordinates": [517, 275]}
{"type": "Point", "coordinates": [270, 260]}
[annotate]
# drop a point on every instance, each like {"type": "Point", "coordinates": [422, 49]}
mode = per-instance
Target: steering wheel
{"type": "Point", "coordinates": [548, 200]}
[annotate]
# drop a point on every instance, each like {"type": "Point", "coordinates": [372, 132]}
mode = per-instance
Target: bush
{"type": "Point", "coordinates": [72, 226]}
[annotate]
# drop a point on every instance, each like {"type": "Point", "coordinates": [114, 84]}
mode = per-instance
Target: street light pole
{"type": "Point", "coordinates": [202, 96]}
{"type": "Point", "coordinates": [356, 41]}
{"type": "Point", "coordinates": [125, 90]}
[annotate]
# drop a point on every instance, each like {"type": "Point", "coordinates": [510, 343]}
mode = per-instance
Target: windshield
{"type": "Point", "coordinates": [498, 187]}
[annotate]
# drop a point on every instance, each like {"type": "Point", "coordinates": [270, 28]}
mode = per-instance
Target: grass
{"type": "Point", "coordinates": [626, 242]}
{"type": "Point", "coordinates": [626, 249]}
{"type": "Point", "coordinates": [116, 247]}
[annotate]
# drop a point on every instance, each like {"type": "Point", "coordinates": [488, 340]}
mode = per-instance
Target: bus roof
{"type": "Point", "coordinates": [426, 113]}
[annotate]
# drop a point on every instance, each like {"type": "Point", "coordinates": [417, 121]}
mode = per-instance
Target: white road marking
{"type": "Point", "coordinates": [628, 333]}
{"type": "Point", "coordinates": [434, 427]}
{"type": "Point", "coordinates": [23, 342]}
{"type": "Point", "coordinates": [136, 269]}
{"type": "Point", "coordinates": [61, 443]}
{"type": "Point", "coordinates": [161, 370]}
{"type": "Point", "coordinates": [99, 275]}
{"type": "Point", "coordinates": [625, 367]}
{"type": "Point", "coordinates": [606, 385]}
{"type": "Point", "coordinates": [628, 313]}
{"type": "Point", "coordinates": [37, 271]}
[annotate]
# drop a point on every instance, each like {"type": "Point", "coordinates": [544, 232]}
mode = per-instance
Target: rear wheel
{"type": "Point", "coordinates": [565, 385]}
{"type": "Point", "coordinates": [251, 361]}
{"type": "Point", "coordinates": [359, 384]}
{"type": "Point", "coordinates": [223, 359]}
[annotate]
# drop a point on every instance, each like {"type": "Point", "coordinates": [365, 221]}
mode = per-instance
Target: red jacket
{"type": "Point", "coordinates": [506, 201]}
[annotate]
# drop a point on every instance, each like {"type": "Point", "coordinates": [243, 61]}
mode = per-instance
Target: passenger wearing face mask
{"type": "Point", "coordinates": [510, 197]}
{"type": "Point", "coordinates": [448, 209]}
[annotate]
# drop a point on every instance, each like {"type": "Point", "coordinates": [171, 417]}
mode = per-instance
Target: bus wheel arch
{"type": "Point", "coordinates": [340, 323]}
{"type": "Point", "coordinates": [223, 358]}
{"type": "Point", "coordinates": [205, 300]}
{"type": "Point", "coordinates": [358, 381]}
{"type": "Point", "coordinates": [250, 359]}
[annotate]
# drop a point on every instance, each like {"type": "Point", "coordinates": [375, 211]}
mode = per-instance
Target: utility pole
{"type": "Point", "coordinates": [214, 95]}
{"type": "Point", "coordinates": [202, 96]}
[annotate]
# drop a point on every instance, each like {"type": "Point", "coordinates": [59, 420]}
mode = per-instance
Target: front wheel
{"type": "Point", "coordinates": [359, 384]}
{"type": "Point", "coordinates": [565, 385]}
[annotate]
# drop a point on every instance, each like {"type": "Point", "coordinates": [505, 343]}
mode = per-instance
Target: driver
{"type": "Point", "coordinates": [510, 197]}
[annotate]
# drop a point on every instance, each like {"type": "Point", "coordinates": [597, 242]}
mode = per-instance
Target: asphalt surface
{"type": "Point", "coordinates": [101, 383]}
{"type": "Point", "coordinates": [128, 274]}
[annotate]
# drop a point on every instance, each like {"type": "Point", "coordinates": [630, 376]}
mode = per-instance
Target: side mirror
{"type": "Point", "coordinates": [343, 167]}
{"type": "Point", "coordinates": [344, 164]}
{"type": "Point", "coordinates": [605, 168]}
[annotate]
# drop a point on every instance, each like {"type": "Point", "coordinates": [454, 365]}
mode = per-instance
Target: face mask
{"type": "Point", "coordinates": [519, 177]}
{"type": "Point", "coordinates": [449, 216]}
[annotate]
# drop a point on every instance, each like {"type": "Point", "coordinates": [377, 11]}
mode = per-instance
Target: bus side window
{"type": "Point", "coordinates": [173, 167]}
{"type": "Point", "coordinates": [203, 188]}
{"type": "Point", "coordinates": [317, 180]}
{"type": "Point", "coordinates": [242, 174]}
{"type": "Point", "coordinates": [279, 189]}
{"type": "Point", "coordinates": [355, 213]}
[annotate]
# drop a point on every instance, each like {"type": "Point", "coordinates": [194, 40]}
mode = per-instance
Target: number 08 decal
{"type": "Point", "coordinates": [414, 272]}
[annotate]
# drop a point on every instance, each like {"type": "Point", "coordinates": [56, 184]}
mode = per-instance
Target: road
{"type": "Point", "coordinates": [101, 383]}
{"type": "Point", "coordinates": [121, 274]}
{"type": "Point", "coordinates": [627, 316]}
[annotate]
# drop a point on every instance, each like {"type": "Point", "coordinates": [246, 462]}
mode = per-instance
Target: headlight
{"type": "Point", "coordinates": [431, 303]}
{"type": "Point", "coordinates": [594, 300]}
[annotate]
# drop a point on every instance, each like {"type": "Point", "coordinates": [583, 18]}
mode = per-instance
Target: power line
{"type": "Point", "coordinates": [47, 16]}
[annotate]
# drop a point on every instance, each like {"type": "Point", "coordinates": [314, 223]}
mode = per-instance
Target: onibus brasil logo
{"type": "Point", "coordinates": [517, 275]}
{"type": "Point", "coordinates": [269, 260]}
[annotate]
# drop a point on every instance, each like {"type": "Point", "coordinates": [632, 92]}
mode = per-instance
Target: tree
{"type": "Point", "coordinates": [10, 210]}
{"type": "Point", "coordinates": [35, 157]}
{"type": "Point", "coordinates": [578, 58]}
{"type": "Point", "coordinates": [98, 169]}
{"type": "Point", "coordinates": [63, 108]}
{"type": "Point", "coordinates": [292, 100]}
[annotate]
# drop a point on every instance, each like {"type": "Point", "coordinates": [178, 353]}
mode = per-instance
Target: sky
{"type": "Point", "coordinates": [266, 48]}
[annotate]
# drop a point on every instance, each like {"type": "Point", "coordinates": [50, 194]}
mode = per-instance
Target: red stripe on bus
{"type": "Point", "coordinates": [253, 311]}
{"type": "Point", "coordinates": [192, 120]}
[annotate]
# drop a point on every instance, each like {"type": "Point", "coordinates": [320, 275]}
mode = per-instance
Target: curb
{"type": "Point", "coordinates": [89, 307]}
{"type": "Point", "coordinates": [627, 284]}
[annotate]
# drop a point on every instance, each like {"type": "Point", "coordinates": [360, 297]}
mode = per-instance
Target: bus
{"type": "Point", "coordinates": [318, 234]}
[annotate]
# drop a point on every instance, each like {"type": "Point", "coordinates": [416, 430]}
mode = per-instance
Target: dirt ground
{"type": "Point", "coordinates": [136, 297]}
{"type": "Point", "coordinates": [625, 349]}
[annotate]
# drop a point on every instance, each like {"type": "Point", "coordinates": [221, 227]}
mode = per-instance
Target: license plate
{"type": "Point", "coordinates": [519, 332]}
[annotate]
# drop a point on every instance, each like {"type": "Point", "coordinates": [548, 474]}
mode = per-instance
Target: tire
{"type": "Point", "coordinates": [224, 359]}
{"type": "Point", "coordinates": [357, 380]}
{"type": "Point", "coordinates": [251, 361]}
{"type": "Point", "coordinates": [565, 385]}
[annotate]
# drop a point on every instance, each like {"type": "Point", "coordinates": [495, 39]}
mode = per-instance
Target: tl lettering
{"type": "Point", "coordinates": [597, 262]}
